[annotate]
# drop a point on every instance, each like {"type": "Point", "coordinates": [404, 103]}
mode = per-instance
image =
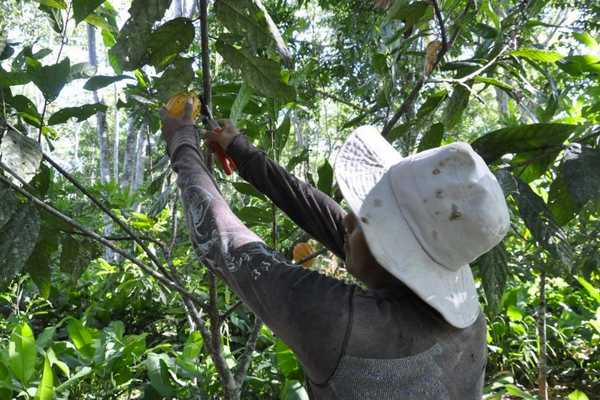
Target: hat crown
{"type": "Point", "coordinates": [452, 203]}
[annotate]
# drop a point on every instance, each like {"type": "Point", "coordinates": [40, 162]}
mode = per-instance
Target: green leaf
{"type": "Point", "coordinates": [247, 189]}
{"type": "Point", "coordinates": [590, 289]}
{"type": "Point", "coordinates": [287, 361]}
{"type": "Point", "coordinates": [581, 171]}
{"type": "Point", "coordinates": [83, 8]}
{"type": "Point", "coordinates": [393, 11]}
{"type": "Point", "coordinates": [18, 240]}
{"type": "Point", "coordinates": [517, 139]}
{"type": "Point", "coordinates": [159, 375]}
{"type": "Point", "coordinates": [99, 22]}
{"type": "Point", "coordinates": [493, 268]}
{"type": "Point", "coordinates": [512, 389]}
{"type": "Point", "coordinates": [176, 79]}
{"type": "Point", "coordinates": [537, 55]}
{"type": "Point", "coordinates": [456, 106]}
{"type": "Point", "coordinates": [81, 337]}
{"type": "Point", "coordinates": [252, 216]}
{"type": "Point", "coordinates": [293, 390]}
{"type": "Point", "coordinates": [49, 79]}
{"type": "Point", "coordinates": [412, 13]}
{"type": "Point", "coordinates": [37, 265]}
{"type": "Point", "coordinates": [577, 395]}
{"type": "Point", "coordinates": [15, 78]}
{"type": "Point", "coordinates": [302, 157]}
{"type": "Point", "coordinates": [22, 352]}
{"type": "Point", "coordinates": [76, 255]}
{"type": "Point", "coordinates": [133, 42]}
{"type": "Point", "coordinates": [262, 74]}
{"type": "Point", "coordinates": [81, 113]}
{"type": "Point", "coordinates": [432, 103]}
{"type": "Point", "coordinates": [241, 101]}
{"type": "Point", "coordinates": [83, 70]}
{"type": "Point", "coordinates": [543, 225]}
{"type": "Point", "coordinates": [25, 106]}
{"type": "Point", "coordinates": [8, 205]}
{"type": "Point", "coordinates": [21, 154]}
{"type": "Point", "coordinates": [432, 138]}
{"type": "Point", "coordinates": [560, 201]}
{"type": "Point", "coordinates": [60, 4]}
{"type": "Point", "coordinates": [250, 20]}
{"type": "Point", "coordinates": [160, 203]}
{"type": "Point", "coordinates": [586, 39]}
{"type": "Point", "coordinates": [325, 172]}
{"type": "Point", "coordinates": [55, 17]}
{"type": "Point", "coordinates": [156, 184]}
{"type": "Point", "coordinates": [193, 346]}
{"type": "Point", "coordinates": [98, 82]}
{"type": "Point", "coordinates": [85, 371]}
{"type": "Point", "coordinates": [494, 82]}
{"type": "Point", "coordinates": [168, 40]}
{"type": "Point", "coordinates": [400, 130]}
{"type": "Point", "coordinates": [45, 390]}
{"type": "Point", "coordinates": [5, 393]}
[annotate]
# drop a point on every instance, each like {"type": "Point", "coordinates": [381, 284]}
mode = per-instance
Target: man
{"type": "Point", "coordinates": [414, 225]}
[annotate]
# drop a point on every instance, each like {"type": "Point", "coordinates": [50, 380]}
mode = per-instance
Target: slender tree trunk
{"type": "Point", "coordinates": [100, 116]}
{"type": "Point", "coordinates": [116, 139]}
{"type": "Point", "coordinates": [129, 156]}
{"type": "Point", "coordinates": [542, 379]}
{"type": "Point", "coordinates": [76, 150]}
{"type": "Point", "coordinates": [178, 9]}
{"type": "Point", "coordinates": [140, 161]}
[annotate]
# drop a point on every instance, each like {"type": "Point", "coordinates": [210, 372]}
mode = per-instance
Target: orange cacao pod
{"type": "Point", "coordinates": [303, 250]}
{"type": "Point", "coordinates": [175, 105]}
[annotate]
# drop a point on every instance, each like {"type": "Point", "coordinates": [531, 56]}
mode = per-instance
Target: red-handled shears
{"type": "Point", "coordinates": [211, 124]}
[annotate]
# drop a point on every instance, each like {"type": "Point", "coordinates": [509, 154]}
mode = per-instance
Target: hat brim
{"type": "Point", "coordinates": [360, 171]}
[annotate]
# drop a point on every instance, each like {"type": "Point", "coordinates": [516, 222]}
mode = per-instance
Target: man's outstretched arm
{"type": "Point", "coordinates": [308, 311]}
{"type": "Point", "coordinates": [312, 210]}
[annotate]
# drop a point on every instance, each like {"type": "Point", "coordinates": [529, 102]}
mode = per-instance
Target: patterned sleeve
{"type": "Point", "coordinates": [307, 310]}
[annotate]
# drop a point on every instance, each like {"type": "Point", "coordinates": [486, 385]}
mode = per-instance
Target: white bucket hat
{"type": "Point", "coordinates": [425, 217]}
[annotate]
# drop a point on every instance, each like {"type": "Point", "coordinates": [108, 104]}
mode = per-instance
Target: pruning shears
{"type": "Point", "coordinates": [211, 124]}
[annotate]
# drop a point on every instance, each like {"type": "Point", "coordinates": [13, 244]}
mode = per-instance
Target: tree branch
{"type": "Point", "coordinates": [230, 311]}
{"type": "Point", "coordinates": [438, 15]}
{"type": "Point", "coordinates": [246, 357]}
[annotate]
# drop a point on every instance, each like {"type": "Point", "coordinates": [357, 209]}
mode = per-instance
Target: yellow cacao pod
{"type": "Point", "coordinates": [303, 250]}
{"type": "Point", "coordinates": [175, 105]}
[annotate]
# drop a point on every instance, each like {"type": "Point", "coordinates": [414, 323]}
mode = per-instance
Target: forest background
{"type": "Point", "coordinates": [100, 294]}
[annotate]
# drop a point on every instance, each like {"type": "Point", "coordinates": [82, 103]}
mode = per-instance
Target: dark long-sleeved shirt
{"type": "Point", "coordinates": [353, 344]}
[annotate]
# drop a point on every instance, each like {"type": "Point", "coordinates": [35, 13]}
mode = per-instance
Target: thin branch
{"type": "Point", "coordinates": [246, 357]}
{"type": "Point", "coordinates": [167, 282]}
{"type": "Point", "coordinates": [438, 15]}
{"type": "Point", "coordinates": [230, 311]}
{"type": "Point", "coordinates": [334, 98]}
{"type": "Point", "coordinates": [480, 70]}
{"type": "Point", "coordinates": [311, 256]}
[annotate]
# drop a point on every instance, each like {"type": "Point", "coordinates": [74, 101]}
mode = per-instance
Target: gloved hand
{"type": "Point", "coordinates": [171, 123]}
{"type": "Point", "coordinates": [223, 138]}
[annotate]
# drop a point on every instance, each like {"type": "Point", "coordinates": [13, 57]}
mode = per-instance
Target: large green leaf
{"type": "Point", "coordinates": [493, 268]}
{"type": "Point", "coordinates": [22, 352]}
{"type": "Point", "coordinates": [5, 393]}
{"type": "Point", "coordinates": [262, 74]}
{"type": "Point", "coordinates": [287, 361]}
{"type": "Point", "coordinates": [60, 4]}
{"type": "Point", "coordinates": [560, 201]}
{"type": "Point", "coordinates": [18, 240]}
{"type": "Point", "coordinates": [159, 375]}
{"type": "Point", "coordinates": [533, 170]}
{"type": "Point", "coordinates": [37, 264]}
{"type": "Point", "coordinates": [247, 189]}
{"type": "Point", "coordinates": [133, 42]}
{"type": "Point", "coordinates": [21, 154]}
{"type": "Point", "coordinates": [98, 82]}
{"type": "Point", "coordinates": [82, 70]}
{"type": "Point", "coordinates": [577, 395]}
{"type": "Point", "coordinates": [83, 8]}
{"type": "Point", "coordinates": [8, 205]}
{"type": "Point", "coordinates": [45, 390]}
{"type": "Point", "coordinates": [55, 17]}
{"type": "Point", "coordinates": [581, 171]}
{"type": "Point", "coordinates": [76, 255]}
{"type": "Point", "coordinates": [432, 138]}
{"type": "Point", "coordinates": [26, 108]}
{"type": "Point", "coordinates": [325, 172]}
{"type": "Point", "coordinates": [176, 79]}
{"type": "Point", "coordinates": [431, 103]}
{"type": "Point", "coordinates": [168, 40]}
{"type": "Point", "coordinates": [83, 372]}
{"type": "Point", "coordinates": [518, 139]}
{"type": "Point", "coordinates": [241, 100]}
{"type": "Point", "coordinates": [81, 113]}
{"type": "Point", "coordinates": [456, 105]}
{"type": "Point", "coordinates": [14, 78]}
{"type": "Point", "coordinates": [250, 20]}
{"type": "Point", "coordinates": [50, 79]}
{"type": "Point", "coordinates": [293, 390]}
{"type": "Point", "coordinates": [193, 346]}
{"type": "Point", "coordinates": [542, 224]}
{"type": "Point", "coordinates": [81, 337]}
{"type": "Point", "coordinates": [537, 55]}
{"type": "Point", "coordinates": [252, 216]}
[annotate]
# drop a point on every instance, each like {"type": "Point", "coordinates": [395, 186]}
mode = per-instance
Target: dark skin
{"type": "Point", "coordinates": [360, 262]}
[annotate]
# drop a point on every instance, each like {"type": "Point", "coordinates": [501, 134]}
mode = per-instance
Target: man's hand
{"type": "Point", "coordinates": [224, 138]}
{"type": "Point", "coordinates": [171, 123]}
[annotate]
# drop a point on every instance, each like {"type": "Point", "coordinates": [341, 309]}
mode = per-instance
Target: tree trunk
{"type": "Point", "coordinates": [502, 100]}
{"type": "Point", "coordinates": [177, 8]}
{"type": "Point", "coordinates": [542, 380]}
{"type": "Point", "coordinates": [116, 139]}
{"type": "Point", "coordinates": [128, 158]}
{"type": "Point", "coordinates": [100, 116]}
{"type": "Point", "coordinates": [140, 161]}
{"type": "Point", "coordinates": [76, 150]}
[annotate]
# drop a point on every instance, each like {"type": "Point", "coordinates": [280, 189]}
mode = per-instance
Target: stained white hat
{"type": "Point", "coordinates": [425, 217]}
